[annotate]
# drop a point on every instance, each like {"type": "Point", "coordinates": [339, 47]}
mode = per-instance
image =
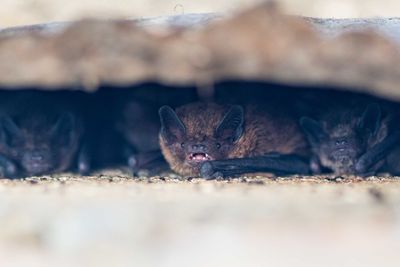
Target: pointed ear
{"type": "Point", "coordinates": [371, 118]}
{"type": "Point", "coordinates": [8, 129]}
{"type": "Point", "coordinates": [172, 128]}
{"type": "Point", "coordinates": [231, 125]}
{"type": "Point", "coordinates": [64, 127]}
{"type": "Point", "coordinates": [313, 130]}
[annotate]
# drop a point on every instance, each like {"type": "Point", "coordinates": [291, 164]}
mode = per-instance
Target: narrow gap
{"type": "Point", "coordinates": [44, 132]}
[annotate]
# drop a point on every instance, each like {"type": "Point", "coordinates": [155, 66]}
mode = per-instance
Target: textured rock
{"type": "Point", "coordinates": [258, 44]}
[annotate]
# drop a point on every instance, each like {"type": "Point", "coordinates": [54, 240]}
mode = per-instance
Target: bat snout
{"type": "Point", "coordinates": [198, 148]}
{"type": "Point", "coordinates": [36, 163]}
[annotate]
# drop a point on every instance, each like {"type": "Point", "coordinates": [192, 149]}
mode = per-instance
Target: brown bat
{"type": "Point", "coordinates": [38, 136]}
{"type": "Point", "coordinates": [213, 140]}
{"type": "Point", "coordinates": [352, 139]}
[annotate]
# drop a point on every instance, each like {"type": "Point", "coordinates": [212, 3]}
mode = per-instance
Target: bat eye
{"type": "Point", "coordinates": [182, 145]}
{"type": "Point", "coordinates": [218, 145]}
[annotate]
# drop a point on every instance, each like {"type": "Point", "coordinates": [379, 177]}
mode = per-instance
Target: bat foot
{"type": "Point", "coordinates": [133, 165]}
{"type": "Point", "coordinates": [83, 168]}
{"type": "Point", "coordinates": [8, 170]}
{"type": "Point", "coordinates": [132, 162]}
{"type": "Point", "coordinates": [361, 166]}
{"type": "Point", "coordinates": [147, 164]}
{"type": "Point", "coordinates": [315, 166]}
{"type": "Point", "coordinates": [208, 172]}
{"type": "Point", "coordinates": [361, 169]}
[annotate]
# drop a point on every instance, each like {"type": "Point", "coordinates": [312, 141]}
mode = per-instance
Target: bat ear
{"type": "Point", "coordinates": [313, 130]}
{"type": "Point", "coordinates": [8, 129]}
{"type": "Point", "coordinates": [371, 118]}
{"type": "Point", "coordinates": [231, 125]}
{"type": "Point", "coordinates": [65, 123]}
{"type": "Point", "coordinates": [64, 127]}
{"type": "Point", "coordinates": [172, 128]}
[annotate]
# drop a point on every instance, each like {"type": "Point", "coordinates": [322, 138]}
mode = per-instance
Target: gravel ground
{"type": "Point", "coordinates": [112, 219]}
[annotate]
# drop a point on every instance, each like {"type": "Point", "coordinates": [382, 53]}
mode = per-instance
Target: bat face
{"type": "Point", "coordinates": [36, 146]}
{"type": "Point", "coordinates": [340, 142]}
{"type": "Point", "coordinates": [341, 153]}
{"type": "Point", "coordinates": [197, 139]}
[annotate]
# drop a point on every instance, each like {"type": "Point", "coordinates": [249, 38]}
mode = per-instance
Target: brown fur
{"type": "Point", "coordinates": [265, 131]}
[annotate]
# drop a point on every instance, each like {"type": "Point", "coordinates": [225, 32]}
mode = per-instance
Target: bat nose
{"type": "Point", "coordinates": [199, 147]}
{"type": "Point", "coordinates": [341, 142]}
{"type": "Point", "coordinates": [35, 162]}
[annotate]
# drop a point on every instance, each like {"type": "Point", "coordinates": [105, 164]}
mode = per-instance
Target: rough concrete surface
{"type": "Point", "coordinates": [115, 220]}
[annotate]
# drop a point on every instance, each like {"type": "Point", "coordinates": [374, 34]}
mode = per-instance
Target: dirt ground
{"type": "Point", "coordinates": [115, 220]}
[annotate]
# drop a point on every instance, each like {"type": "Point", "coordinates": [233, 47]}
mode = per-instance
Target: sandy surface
{"type": "Point", "coordinates": [20, 12]}
{"type": "Point", "coordinates": [114, 220]}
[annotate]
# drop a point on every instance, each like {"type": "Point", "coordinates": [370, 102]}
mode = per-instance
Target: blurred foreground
{"type": "Point", "coordinates": [117, 221]}
{"type": "Point", "coordinates": [22, 12]}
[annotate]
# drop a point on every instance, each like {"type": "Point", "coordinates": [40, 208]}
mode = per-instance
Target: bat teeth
{"type": "Point", "coordinates": [199, 157]}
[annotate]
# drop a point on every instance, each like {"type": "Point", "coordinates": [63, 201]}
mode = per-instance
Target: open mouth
{"type": "Point", "coordinates": [199, 157]}
{"type": "Point", "coordinates": [37, 169]}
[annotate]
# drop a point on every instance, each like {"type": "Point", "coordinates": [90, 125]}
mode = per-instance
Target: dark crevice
{"type": "Point", "coordinates": [103, 112]}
